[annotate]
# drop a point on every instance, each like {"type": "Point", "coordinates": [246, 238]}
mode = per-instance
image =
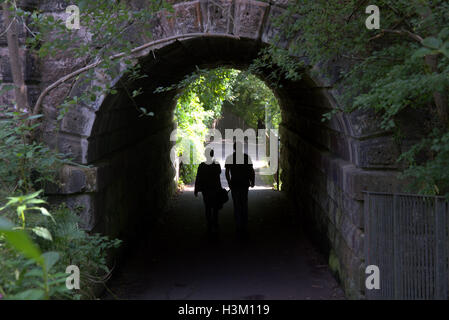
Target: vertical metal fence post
{"type": "Point", "coordinates": [396, 267]}
{"type": "Point", "coordinates": [366, 218]}
{"type": "Point", "coordinates": [441, 244]}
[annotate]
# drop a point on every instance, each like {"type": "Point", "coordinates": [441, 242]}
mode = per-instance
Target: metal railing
{"type": "Point", "coordinates": [406, 236]}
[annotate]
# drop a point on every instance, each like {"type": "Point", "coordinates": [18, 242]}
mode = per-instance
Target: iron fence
{"type": "Point", "coordinates": [406, 236]}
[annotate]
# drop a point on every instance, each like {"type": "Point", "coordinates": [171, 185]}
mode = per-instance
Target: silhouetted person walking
{"type": "Point", "coordinates": [208, 183]}
{"type": "Point", "coordinates": [240, 176]}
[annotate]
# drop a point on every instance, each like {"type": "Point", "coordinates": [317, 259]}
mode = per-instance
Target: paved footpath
{"type": "Point", "coordinates": [179, 262]}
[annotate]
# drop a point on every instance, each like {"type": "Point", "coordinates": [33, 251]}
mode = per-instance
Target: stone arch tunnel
{"type": "Point", "coordinates": [326, 165]}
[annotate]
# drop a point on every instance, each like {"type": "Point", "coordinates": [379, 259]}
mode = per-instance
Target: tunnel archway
{"type": "Point", "coordinates": [130, 154]}
{"type": "Point", "coordinates": [122, 140]}
{"type": "Point", "coordinates": [326, 165]}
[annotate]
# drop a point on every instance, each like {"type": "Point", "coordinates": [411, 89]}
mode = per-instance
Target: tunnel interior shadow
{"type": "Point", "coordinates": [176, 259]}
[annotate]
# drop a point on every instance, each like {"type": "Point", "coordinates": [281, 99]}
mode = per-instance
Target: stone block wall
{"type": "Point", "coordinates": [122, 193]}
{"type": "Point", "coordinates": [327, 187]}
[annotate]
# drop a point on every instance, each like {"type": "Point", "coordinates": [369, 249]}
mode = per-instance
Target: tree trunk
{"type": "Point", "coordinates": [12, 36]}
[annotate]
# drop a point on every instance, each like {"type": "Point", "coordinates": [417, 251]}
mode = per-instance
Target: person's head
{"type": "Point", "coordinates": [209, 154]}
{"type": "Point", "coordinates": [238, 146]}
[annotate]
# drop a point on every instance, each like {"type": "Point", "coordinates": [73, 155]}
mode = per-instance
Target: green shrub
{"type": "Point", "coordinates": [24, 165]}
{"type": "Point", "coordinates": [77, 247]}
{"type": "Point", "coordinates": [36, 246]}
{"type": "Point", "coordinates": [25, 273]}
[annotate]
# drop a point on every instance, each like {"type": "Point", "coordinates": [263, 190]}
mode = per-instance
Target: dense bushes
{"type": "Point", "coordinates": [30, 226]}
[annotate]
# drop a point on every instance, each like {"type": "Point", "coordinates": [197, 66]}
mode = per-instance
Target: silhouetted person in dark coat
{"type": "Point", "coordinates": [240, 176]}
{"type": "Point", "coordinates": [208, 183]}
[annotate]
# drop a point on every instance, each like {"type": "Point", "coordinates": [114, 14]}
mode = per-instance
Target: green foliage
{"type": "Point", "coordinates": [27, 228]}
{"type": "Point", "coordinates": [211, 88]}
{"type": "Point", "coordinates": [26, 273]}
{"type": "Point", "coordinates": [251, 99]}
{"type": "Point", "coordinates": [107, 23]}
{"type": "Point", "coordinates": [279, 62]}
{"type": "Point", "coordinates": [431, 176]}
{"type": "Point", "coordinates": [107, 29]}
{"type": "Point", "coordinates": [387, 70]}
{"type": "Point", "coordinates": [28, 203]}
{"type": "Point", "coordinates": [191, 118]}
{"type": "Point", "coordinates": [24, 165]}
{"type": "Point", "coordinates": [77, 247]}
{"type": "Point", "coordinates": [200, 101]}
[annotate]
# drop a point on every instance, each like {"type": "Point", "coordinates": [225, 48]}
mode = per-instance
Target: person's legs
{"type": "Point", "coordinates": [214, 219]}
{"type": "Point", "coordinates": [208, 210]}
{"type": "Point", "coordinates": [211, 212]}
{"type": "Point", "coordinates": [244, 204]}
{"type": "Point", "coordinates": [235, 201]}
{"type": "Point", "coordinates": [208, 216]}
{"type": "Point", "coordinates": [240, 199]}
